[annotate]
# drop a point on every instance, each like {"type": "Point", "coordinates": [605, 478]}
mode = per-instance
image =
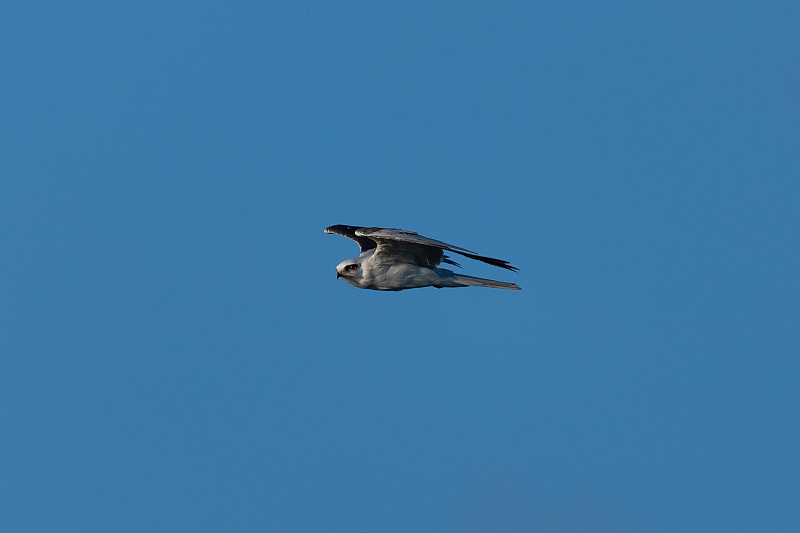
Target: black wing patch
{"type": "Point", "coordinates": [491, 260]}
{"type": "Point", "coordinates": [365, 243]}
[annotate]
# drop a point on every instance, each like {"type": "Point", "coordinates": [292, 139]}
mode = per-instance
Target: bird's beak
{"type": "Point", "coordinates": [338, 275]}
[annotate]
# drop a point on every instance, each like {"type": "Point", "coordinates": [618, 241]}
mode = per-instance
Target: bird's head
{"type": "Point", "coordinates": [349, 270]}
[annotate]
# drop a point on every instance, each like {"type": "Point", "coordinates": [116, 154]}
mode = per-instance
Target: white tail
{"type": "Point", "coordinates": [471, 281]}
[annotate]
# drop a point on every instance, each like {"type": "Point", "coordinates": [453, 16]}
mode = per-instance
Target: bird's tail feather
{"type": "Point", "coordinates": [471, 281]}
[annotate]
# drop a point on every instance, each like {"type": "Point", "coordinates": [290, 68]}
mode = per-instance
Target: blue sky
{"type": "Point", "coordinates": [177, 354]}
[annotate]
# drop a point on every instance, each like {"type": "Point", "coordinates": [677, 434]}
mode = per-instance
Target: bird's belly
{"type": "Point", "coordinates": [401, 276]}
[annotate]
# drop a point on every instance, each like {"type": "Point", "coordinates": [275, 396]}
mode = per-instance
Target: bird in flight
{"type": "Point", "coordinates": [395, 259]}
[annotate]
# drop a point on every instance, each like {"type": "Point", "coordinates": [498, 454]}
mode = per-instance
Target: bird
{"type": "Point", "coordinates": [393, 259]}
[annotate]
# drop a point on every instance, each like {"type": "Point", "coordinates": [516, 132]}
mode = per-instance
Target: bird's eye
{"type": "Point", "coordinates": [352, 267]}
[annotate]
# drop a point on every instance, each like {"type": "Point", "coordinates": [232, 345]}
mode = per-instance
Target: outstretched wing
{"type": "Point", "coordinates": [409, 246]}
{"type": "Point", "coordinates": [365, 243]}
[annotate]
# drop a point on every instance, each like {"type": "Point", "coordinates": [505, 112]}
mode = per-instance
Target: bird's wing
{"type": "Point", "coordinates": [412, 247]}
{"type": "Point", "coordinates": [404, 246]}
{"type": "Point", "coordinates": [365, 243]}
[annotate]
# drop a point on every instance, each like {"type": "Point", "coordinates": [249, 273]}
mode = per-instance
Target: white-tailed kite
{"type": "Point", "coordinates": [395, 259]}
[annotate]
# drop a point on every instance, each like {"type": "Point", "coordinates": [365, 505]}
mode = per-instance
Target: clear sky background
{"type": "Point", "coordinates": [177, 355]}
